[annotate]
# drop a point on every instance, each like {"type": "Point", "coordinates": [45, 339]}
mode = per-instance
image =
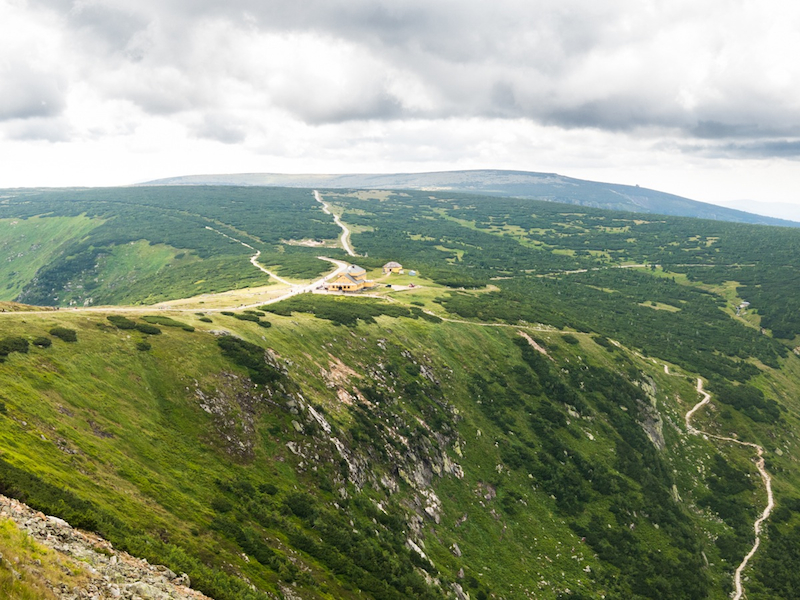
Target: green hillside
{"type": "Point", "coordinates": [512, 426]}
{"type": "Point", "coordinates": [140, 246]}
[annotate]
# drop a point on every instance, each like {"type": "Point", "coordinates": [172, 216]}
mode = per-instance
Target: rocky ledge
{"type": "Point", "coordinates": [105, 572]}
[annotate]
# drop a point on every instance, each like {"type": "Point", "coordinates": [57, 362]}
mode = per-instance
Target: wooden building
{"type": "Point", "coordinates": [352, 280]}
{"type": "Point", "coordinates": [392, 267]}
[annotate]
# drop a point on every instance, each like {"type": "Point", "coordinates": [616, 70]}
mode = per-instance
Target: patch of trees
{"type": "Point", "coordinates": [64, 334]}
{"type": "Point", "coordinates": [251, 357]}
{"type": "Point", "coordinates": [749, 400]}
{"type": "Point", "coordinates": [42, 341]}
{"type": "Point", "coordinates": [13, 344]}
{"type": "Point", "coordinates": [167, 322]}
{"type": "Point", "coordinates": [121, 322]}
{"type": "Point", "coordinates": [147, 328]}
{"type": "Point", "coordinates": [365, 547]}
{"type": "Point", "coordinates": [248, 316]}
{"type": "Point", "coordinates": [346, 311]}
{"type": "Point", "coordinates": [777, 564]}
{"type": "Point", "coordinates": [727, 498]}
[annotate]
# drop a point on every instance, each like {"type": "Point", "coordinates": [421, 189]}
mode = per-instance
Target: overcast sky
{"type": "Point", "coordinates": [696, 98]}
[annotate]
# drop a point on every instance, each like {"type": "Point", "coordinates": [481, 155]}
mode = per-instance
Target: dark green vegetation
{"type": "Point", "coordinates": [167, 322]}
{"type": "Point", "coordinates": [14, 344]}
{"type": "Point", "coordinates": [343, 311]}
{"type": "Point", "coordinates": [65, 334]}
{"type": "Point", "coordinates": [507, 428]}
{"type": "Point", "coordinates": [467, 241]}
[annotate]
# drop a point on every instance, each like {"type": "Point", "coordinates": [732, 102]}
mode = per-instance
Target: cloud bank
{"type": "Point", "coordinates": [713, 79]}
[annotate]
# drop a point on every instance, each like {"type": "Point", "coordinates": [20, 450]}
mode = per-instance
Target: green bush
{"type": "Point", "coordinates": [147, 328]}
{"type": "Point", "coordinates": [248, 316]}
{"type": "Point", "coordinates": [42, 342]}
{"type": "Point", "coordinates": [205, 320]}
{"type": "Point", "coordinates": [346, 311]}
{"type": "Point", "coordinates": [121, 322]}
{"type": "Point", "coordinates": [143, 346]}
{"type": "Point", "coordinates": [749, 400]}
{"type": "Point", "coordinates": [167, 322]}
{"type": "Point", "coordinates": [13, 344]}
{"type": "Point", "coordinates": [64, 334]}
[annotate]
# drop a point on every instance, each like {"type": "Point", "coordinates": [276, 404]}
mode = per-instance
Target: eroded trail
{"type": "Point", "coordinates": [762, 469]}
{"type": "Point", "coordinates": [345, 237]}
{"type": "Point", "coordinates": [254, 258]}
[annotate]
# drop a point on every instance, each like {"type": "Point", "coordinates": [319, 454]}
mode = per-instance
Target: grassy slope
{"type": "Point", "coordinates": [30, 244]}
{"type": "Point", "coordinates": [141, 273]}
{"type": "Point", "coordinates": [133, 273]}
{"type": "Point", "coordinates": [124, 429]}
{"type": "Point", "coordinates": [28, 567]}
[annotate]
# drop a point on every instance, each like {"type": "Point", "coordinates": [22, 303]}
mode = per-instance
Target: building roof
{"type": "Point", "coordinates": [348, 279]}
{"type": "Point", "coordinates": [355, 270]}
{"type": "Point", "coordinates": [393, 265]}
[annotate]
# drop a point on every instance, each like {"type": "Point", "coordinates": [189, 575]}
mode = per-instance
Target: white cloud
{"type": "Point", "coordinates": [569, 85]}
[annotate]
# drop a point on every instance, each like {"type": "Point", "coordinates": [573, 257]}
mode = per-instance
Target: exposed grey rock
{"type": "Point", "coordinates": [107, 573]}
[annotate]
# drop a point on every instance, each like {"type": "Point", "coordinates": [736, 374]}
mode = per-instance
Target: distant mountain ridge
{"type": "Point", "coordinates": [521, 184]}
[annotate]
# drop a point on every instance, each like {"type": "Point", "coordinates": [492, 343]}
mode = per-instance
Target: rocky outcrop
{"type": "Point", "coordinates": [105, 572]}
{"type": "Point", "coordinates": [233, 403]}
{"type": "Point", "coordinates": [649, 416]}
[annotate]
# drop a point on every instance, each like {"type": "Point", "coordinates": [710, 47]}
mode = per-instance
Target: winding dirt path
{"type": "Point", "coordinates": [341, 266]}
{"type": "Point", "coordinates": [762, 469]}
{"type": "Point", "coordinates": [254, 258]}
{"type": "Point", "coordinates": [345, 237]}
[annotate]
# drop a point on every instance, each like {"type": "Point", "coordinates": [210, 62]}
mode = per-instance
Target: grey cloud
{"type": "Point", "coordinates": [38, 129]}
{"type": "Point", "coordinates": [763, 149]}
{"type": "Point", "coordinates": [612, 114]}
{"type": "Point", "coordinates": [113, 28]}
{"type": "Point", "coordinates": [380, 105]}
{"type": "Point", "coordinates": [715, 130]}
{"type": "Point", "coordinates": [221, 128]}
{"type": "Point", "coordinates": [571, 64]}
{"type": "Point", "coordinates": [28, 94]}
{"type": "Point", "coordinates": [718, 130]}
